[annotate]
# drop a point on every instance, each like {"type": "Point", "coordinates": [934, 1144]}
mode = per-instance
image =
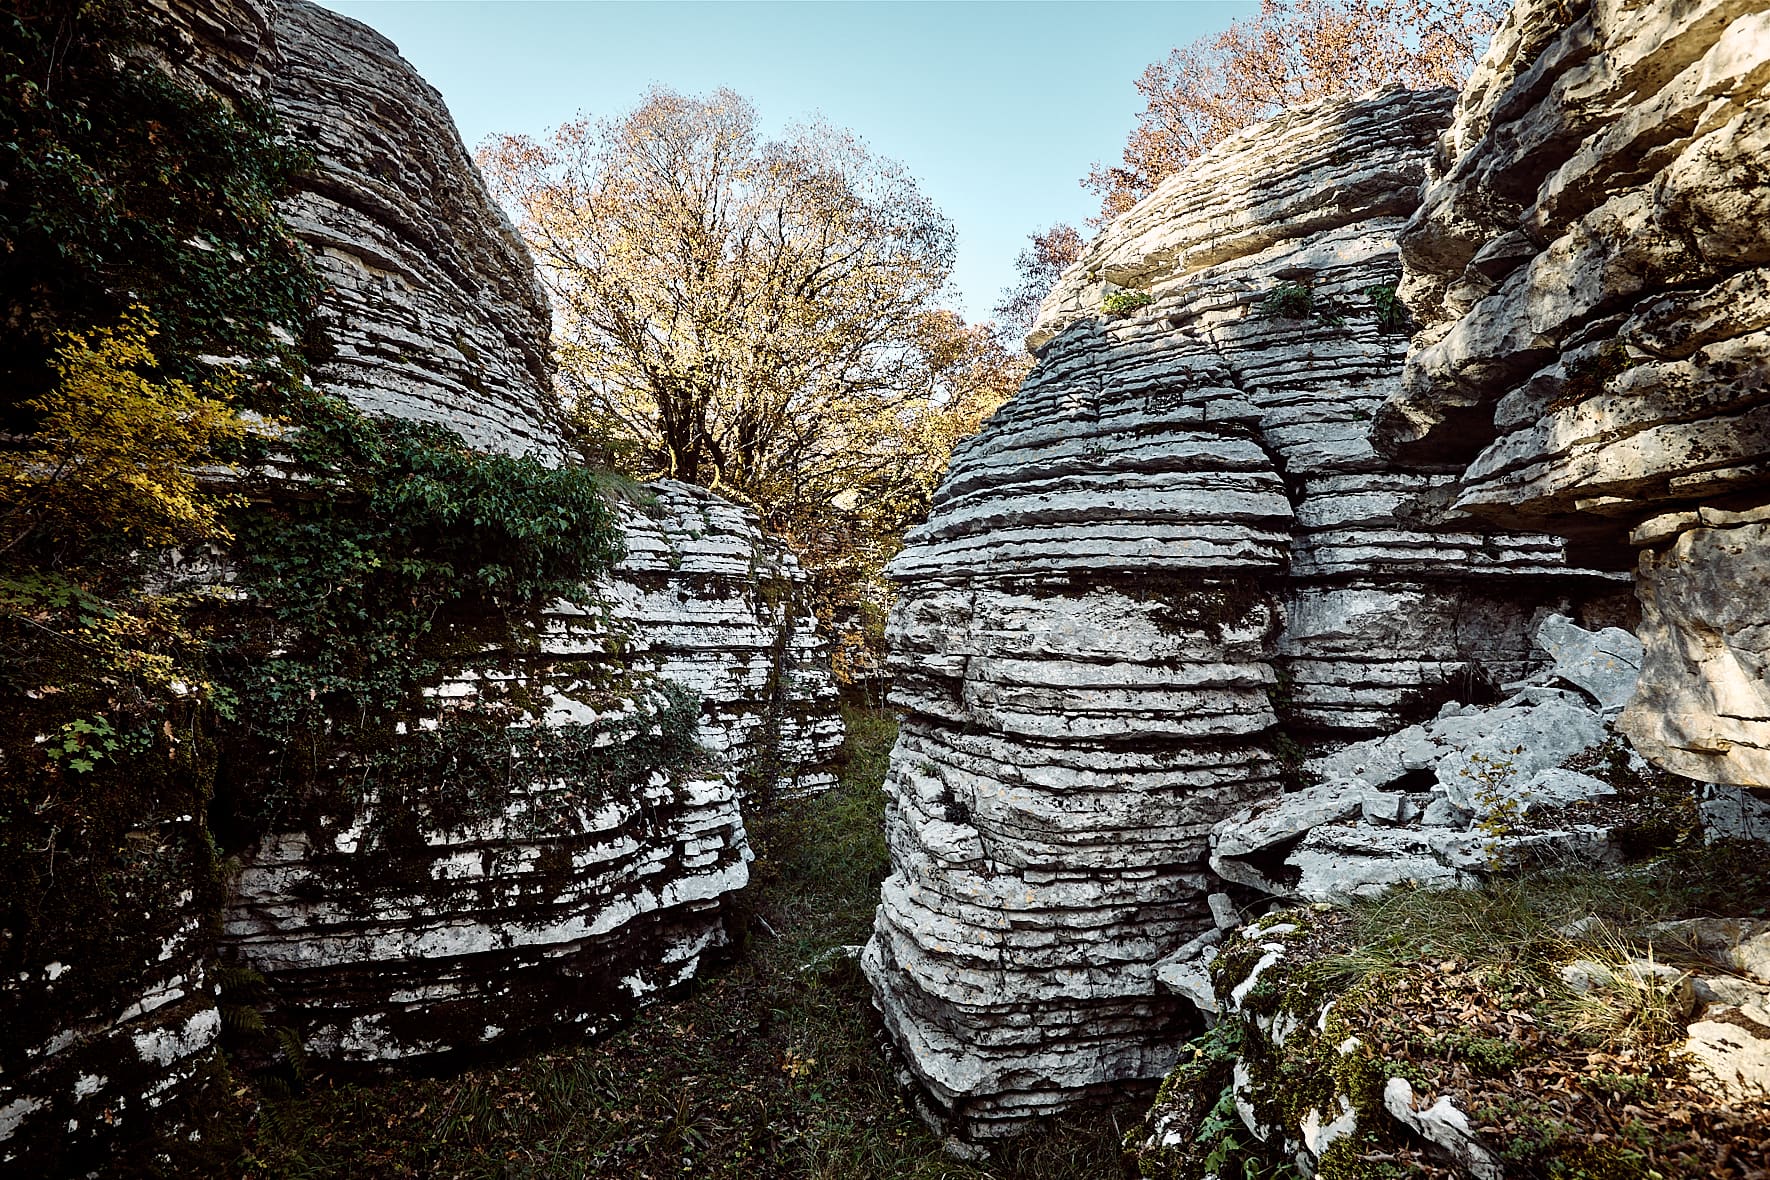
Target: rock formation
{"type": "Point", "coordinates": [496, 931]}
{"type": "Point", "coordinates": [434, 310]}
{"type": "Point", "coordinates": [1446, 803]}
{"type": "Point", "coordinates": [570, 904]}
{"type": "Point", "coordinates": [1176, 536]}
{"type": "Point", "coordinates": [1589, 266]}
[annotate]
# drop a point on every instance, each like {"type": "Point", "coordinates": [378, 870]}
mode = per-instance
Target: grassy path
{"type": "Point", "coordinates": [767, 1068]}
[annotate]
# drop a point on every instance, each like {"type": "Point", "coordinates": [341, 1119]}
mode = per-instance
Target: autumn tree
{"type": "Point", "coordinates": [959, 374]}
{"type": "Point", "coordinates": [1050, 252]}
{"type": "Point", "coordinates": [1293, 52]}
{"type": "Point", "coordinates": [760, 317]}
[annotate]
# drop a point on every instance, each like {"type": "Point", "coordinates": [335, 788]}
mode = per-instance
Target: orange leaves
{"type": "Point", "coordinates": [1293, 52]}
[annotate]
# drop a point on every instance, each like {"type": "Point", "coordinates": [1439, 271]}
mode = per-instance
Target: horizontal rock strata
{"type": "Point", "coordinates": [433, 310]}
{"type": "Point", "coordinates": [566, 903]}
{"type": "Point", "coordinates": [573, 903]}
{"type": "Point", "coordinates": [1176, 532]}
{"type": "Point", "coordinates": [1589, 263]}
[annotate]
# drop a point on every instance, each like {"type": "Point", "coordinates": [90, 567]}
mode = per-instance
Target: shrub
{"type": "Point", "coordinates": [1123, 303]}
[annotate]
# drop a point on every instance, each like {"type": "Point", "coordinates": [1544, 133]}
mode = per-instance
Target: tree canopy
{"type": "Point", "coordinates": [1293, 52]}
{"type": "Point", "coordinates": [760, 317]}
{"type": "Point", "coordinates": [1049, 252]}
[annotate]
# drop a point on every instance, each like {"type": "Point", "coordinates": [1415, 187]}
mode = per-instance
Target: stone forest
{"type": "Point", "coordinates": [1322, 726]}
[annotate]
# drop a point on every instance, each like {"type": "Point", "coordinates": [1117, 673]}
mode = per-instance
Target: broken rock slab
{"type": "Point", "coordinates": [1605, 665]}
{"type": "Point", "coordinates": [1497, 750]}
{"type": "Point", "coordinates": [1274, 821]}
{"type": "Point", "coordinates": [1348, 838]}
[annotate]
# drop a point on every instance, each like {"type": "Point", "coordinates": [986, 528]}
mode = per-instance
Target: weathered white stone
{"type": "Point", "coordinates": [1444, 1125]}
{"type": "Point", "coordinates": [1284, 818]}
{"type": "Point", "coordinates": [1338, 863]}
{"type": "Point", "coordinates": [1703, 709]}
{"type": "Point", "coordinates": [1176, 531]}
{"type": "Point", "coordinates": [1189, 975]}
{"type": "Point", "coordinates": [1387, 807]}
{"type": "Point", "coordinates": [1224, 911]}
{"type": "Point", "coordinates": [1733, 1046]}
{"type": "Point", "coordinates": [432, 312]}
{"type": "Point", "coordinates": [1555, 787]}
{"type": "Point", "coordinates": [1499, 750]}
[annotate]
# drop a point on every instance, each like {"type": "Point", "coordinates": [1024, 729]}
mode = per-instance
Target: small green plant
{"type": "Point", "coordinates": [1123, 303]}
{"type": "Point", "coordinates": [1288, 301]}
{"type": "Point", "coordinates": [1499, 804]}
{"type": "Point", "coordinates": [86, 741]}
{"type": "Point", "coordinates": [1390, 312]}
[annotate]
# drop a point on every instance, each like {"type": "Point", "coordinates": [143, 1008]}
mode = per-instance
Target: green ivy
{"type": "Point", "coordinates": [381, 558]}
{"type": "Point", "coordinates": [119, 185]}
{"type": "Point", "coordinates": [1390, 312]}
{"type": "Point", "coordinates": [1290, 301]}
{"type": "Point", "coordinates": [409, 555]}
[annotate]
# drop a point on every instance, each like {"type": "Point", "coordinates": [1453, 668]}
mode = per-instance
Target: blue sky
{"type": "Point", "coordinates": [997, 109]}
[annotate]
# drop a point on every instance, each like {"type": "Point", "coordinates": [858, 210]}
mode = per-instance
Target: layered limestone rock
{"type": "Point", "coordinates": [1176, 532]}
{"type": "Point", "coordinates": [504, 927]}
{"type": "Point", "coordinates": [104, 1065]}
{"type": "Point", "coordinates": [434, 310]}
{"type": "Point", "coordinates": [577, 899]}
{"type": "Point", "coordinates": [569, 900]}
{"type": "Point", "coordinates": [1589, 264]}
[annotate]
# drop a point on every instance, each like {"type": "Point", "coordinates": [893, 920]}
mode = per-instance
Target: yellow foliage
{"type": "Point", "coordinates": [116, 451]}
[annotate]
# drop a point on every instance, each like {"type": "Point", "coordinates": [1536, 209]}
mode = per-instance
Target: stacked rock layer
{"type": "Point", "coordinates": [1590, 262]}
{"type": "Point", "coordinates": [570, 904]}
{"type": "Point", "coordinates": [504, 928]}
{"type": "Point", "coordinates": [434, 311]}
{"type": "Point", "coordinates": [1176, 531]}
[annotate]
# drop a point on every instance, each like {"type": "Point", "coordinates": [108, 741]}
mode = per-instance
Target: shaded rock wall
{"type": "Point", "coordinates": [575, 902]}
{"type": "Point", "coordinates": [1589, 264]}
{"type": "Point", "coordinates": [501, 929]}
{"type": "Point", "coordinates": [1176, 532]}
{"type": "Point", "coordinates": [568, 906]}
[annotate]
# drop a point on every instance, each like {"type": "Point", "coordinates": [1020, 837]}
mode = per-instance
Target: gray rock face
{"type": "Point", "coordinates": [1605, 666]}
{"type": "Point", "coordinates": [434, 310]}
{"type": "Point", "coordinates": [1734, 813]}
{"type": "Point", "coordinates": [1175, 525]}
{"type": "Point", "coordinates": [1704, 706]}
{"type": "Point", "coordinates": [1589, 266]}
